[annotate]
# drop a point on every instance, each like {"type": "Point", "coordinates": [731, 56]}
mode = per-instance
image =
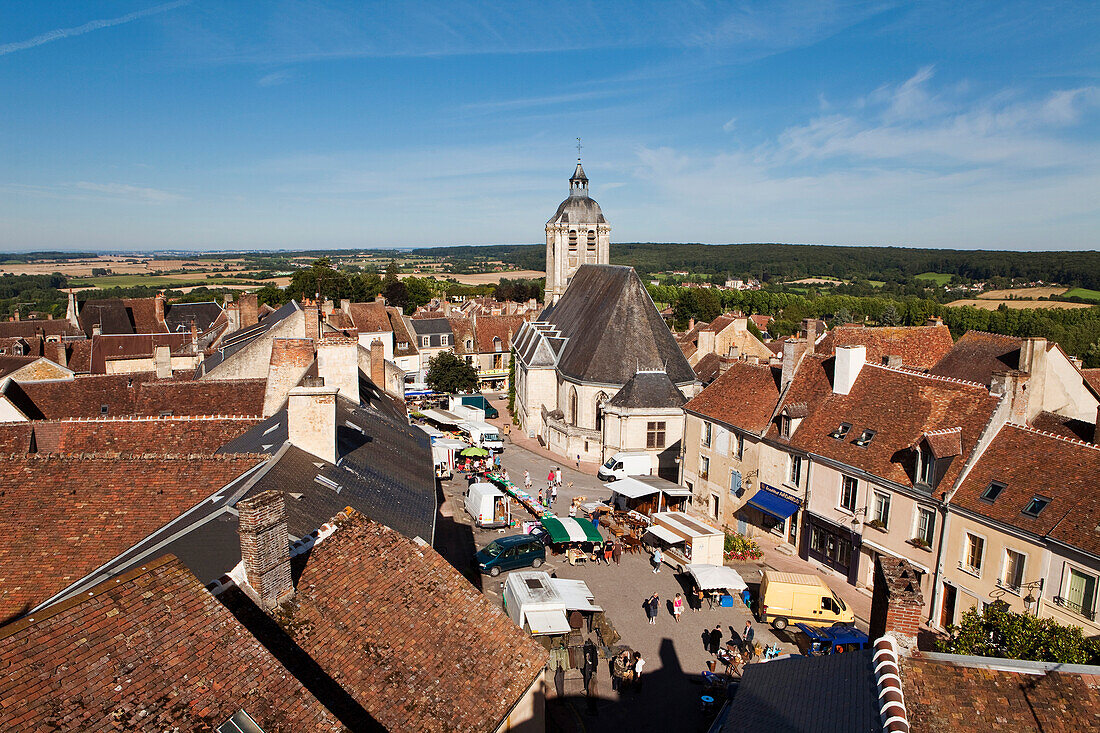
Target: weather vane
{"type": "Point", "coordinates": [578, 149]}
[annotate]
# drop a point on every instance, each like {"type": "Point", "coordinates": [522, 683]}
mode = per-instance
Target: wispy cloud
{"type": "Point", "coordinates": [275, 78]}
{"type": "Point", "coordinates": [126, 192]}
{"type": "Point", "coordinates": [94, 25]}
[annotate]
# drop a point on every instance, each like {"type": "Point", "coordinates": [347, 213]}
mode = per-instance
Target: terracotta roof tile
{"type": "Point", "coordinates": [502, 327]}
{"type": "Point", "coordinates": [164, 436]}
{"type": "Point", "coordinates": [15, 437]}
{"type": "Point", "coordinates": [1092, 376]}
{"type": "Point", "coordinates": [744, 397]}
{"type": "Point", "coordinates": [463, 331]}
{"type": "Point", "coordinates": [1067, 427]}
{"type": "Point", "coordinates": [409, 638]}
{"type": "Point", "coordinates": [31, 329]}
{"type": "Point", "coordinates": [899, 406]}
{"type": "Point", "coordinates": [977, 355]}
{"type": "Point", "coordinates": [369, 317]}
{"type": "Point", "coordinates": [919, 347]}
{"type": "Point", "coordinates": [64, 516]}
{"type": "Point", "coordinates": [1031, 463]}
{"type": "Point", "coordinates": [942, 696]}
{"type": "Point", "coordinates": [811, 385]}
{"type": "Point", "coordinates": [150, 651]}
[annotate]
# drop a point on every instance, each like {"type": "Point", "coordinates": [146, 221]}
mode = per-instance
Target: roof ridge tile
{"type": "Point", "coordinates": [1048, 434]}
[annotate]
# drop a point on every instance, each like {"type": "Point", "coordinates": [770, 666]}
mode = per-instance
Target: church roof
{"type": "Point", "coordinates": [612, 329]}
{"type": "Point", "coordinates": [649, 390]}
{"type": "Point", "coordinates": [578, 210]}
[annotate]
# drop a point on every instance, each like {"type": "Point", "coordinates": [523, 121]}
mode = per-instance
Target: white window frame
{"type": "Point", "coordinates": [844, 478]}
{"type": "Point", "coordinates": [704, 468]}
{"type": "Point", "coordinates": [707, 434]}
{"type": "Point", "coordinates": [966, 566]}
{"type": "Point", "coordinates": [886, 502]}
{"type": "Point", "coordinates": [1002, 580]}
{"type": "Point", "coordinates": [794, 470]}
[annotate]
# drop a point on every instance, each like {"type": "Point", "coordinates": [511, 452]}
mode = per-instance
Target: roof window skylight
{"type": "Point", "coordinates": [993, 491]}
{"type": "Point", "coordinates": [1036, 506]}
{"type": "Point", "coordinates": [841, 431]}
{"type": "Point", "coordinates": [864, 438]}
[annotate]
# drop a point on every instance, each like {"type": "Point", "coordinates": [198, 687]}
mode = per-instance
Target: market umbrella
{"type": "Point", "coordinates": [716, 577]}
{"type": "Point", "coordinates": [474, 452]}
{"type": "Point", "coordinates": [567, 529]}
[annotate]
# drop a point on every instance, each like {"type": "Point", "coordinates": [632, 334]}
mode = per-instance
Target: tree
{"type": "Point", "coordinates": [841, 316]}
{"type": "Point", "coordinates": [447, 373]}
{"type": "Point", "coordinates": [419, 291]}
{"type": "Point", "coordinates": [702, 304]}
{"type": "Point", "coordinates": [889, 316]}
{"type": "Point", "coordinates": [396, 294]}
{"type": "Point", "coordinates": [999, 632]}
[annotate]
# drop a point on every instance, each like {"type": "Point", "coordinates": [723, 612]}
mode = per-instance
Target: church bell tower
{"type": "Point", "coordinates": [577, 234]}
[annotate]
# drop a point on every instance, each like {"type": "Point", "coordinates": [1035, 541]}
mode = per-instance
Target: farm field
{"type": "Point", "coordinates": [1026, 293]}
{"type": "Point", "coordinates": [487, 278]}
{"type": "Point", "coordinates": [940, 278]}
{"type": "Point", "coordinates": [1083, 293]}
{"type": "Point", "coordinates": [815, 281]}
{"type": "Point", "coordinates": [992, 305]}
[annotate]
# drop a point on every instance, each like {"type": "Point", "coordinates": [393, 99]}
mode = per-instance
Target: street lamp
{"type": "Point", "coordinates": [856, 514]}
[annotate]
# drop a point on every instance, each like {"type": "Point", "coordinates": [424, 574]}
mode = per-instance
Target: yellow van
{"type": "Point", "coordinates": [790, 597]}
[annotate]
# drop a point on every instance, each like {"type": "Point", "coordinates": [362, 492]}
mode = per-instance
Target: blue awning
{"type": "Point", "coordinates": [774, 505]}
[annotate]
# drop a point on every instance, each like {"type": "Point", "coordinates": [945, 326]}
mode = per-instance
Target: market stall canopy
{"type": "Point", "coordinates": [474, 452]}
{"type": "Point", "coordinates": [570, 530]}
{"type": "Point", "coordinates": [716, 577]}
{"type": "Point", "coordinates": [635, 487]}
{"type": "Point", "coordinates": [664, 534]}
{"type": "Point", "coordinates": [575, 594]}
{"type": "Point", "coordinates": [778, 504]}
{"type": "Point", "coordinates": [442, 417]}
{"type": "Point", "coordinates": [548, 622]}
{"type": "Point", "coordinates": [454, 443]}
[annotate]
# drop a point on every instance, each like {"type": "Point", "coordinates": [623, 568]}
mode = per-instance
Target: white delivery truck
{"type": "Point", "coordinates": [483, 435]}
{"type": "Point", "coordinates": [488, 505]}
{"type": "Point", "coordinates": [624, 464]}
{"type": "Point", "coordinates": [467, 412]}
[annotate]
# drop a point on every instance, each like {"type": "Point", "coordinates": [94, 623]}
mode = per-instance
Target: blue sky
{"type": "Point", "coordinates": [134, 124]}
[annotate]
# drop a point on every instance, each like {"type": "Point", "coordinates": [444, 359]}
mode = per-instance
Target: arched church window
{"type": "Point", "coordinates": [591, 242]}
{"type": "Point", "coordinates": [572, 241]}
{"type": "Point", "coordinates": [573, 405]}
{"type": "Point", "coordinates": [601, 400]}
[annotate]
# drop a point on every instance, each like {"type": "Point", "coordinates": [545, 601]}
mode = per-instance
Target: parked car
{"type": "Point", "coordinates": [509, 553]}
{"type": "Point", "coordinates": [834, 639]}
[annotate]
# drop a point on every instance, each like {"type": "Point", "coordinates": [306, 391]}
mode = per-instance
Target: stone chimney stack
{"type": "Point", "coordinates": [809, 329]}
{"type": "Point", "coordinates": [793, 349]}
{"type": "Point", "coordinates": [158, 308]}
{"type": "Point", "coordinates": [896, 602]}
{"type": "Point", "coordinates": [691, 323]}
{"type": "Point", "coordinates": [1012, 384]}
{"type": "Point", "coordinates": [250, 309]}
{"type": "Point", "coordinates": [706, 342]}
{"type": "Point", "coordinates": [232, 316]}
{"type": "Point", "coordinates": [345, 305]}
{"type": "Point", "coordinates": [380, 299]}
{"type": "Point", "coordinates": [162, 362]}
{"type": "Point", "coordinates": [338, 365]}
{"type": "Point", "coordinates": [311, 421]}
{"type": "Point", "coordinates": [313, 325]}
{"type": "Point", "coordinates": [71, 313]}
{"type": "Point", "coordinates": [265, 547]}
{"type": "Point", "coordinates": [892, 360]}
{"type": "Point", "coordinates": [847, 366]}
{"type": "Point", "coordinates": [378, 364]}
{"type": "Point", "coordinates": [60, 355]}
{"type": "Point", "coordinates": [934, 321]}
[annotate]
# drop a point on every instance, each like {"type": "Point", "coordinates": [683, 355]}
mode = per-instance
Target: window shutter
{"type": "Point", "coordinates": [735, 482]}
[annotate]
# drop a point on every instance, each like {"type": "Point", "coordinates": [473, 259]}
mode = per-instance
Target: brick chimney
{"type": "Point", "coordinates": [847, 365]}
{"type": "Point", "coordinates": [311, 421]}
{"type": "Point", "coordinates": [313, 325]}
{"type": "Point", "coordinates": [265, 547]}
{"type": "Point", "coordinates": [378, 364]}
{"type": "Point", "coordinates": [809, 331]}
{"type": "Point", "coordinates": [162, 362]}
{"type": "Point", "coordinates": [60, 355]}
{"type": "Point", "coordinates": [896, 603]}
{"type": "Point", "coordinates": [793, 349]}
{"type": "Point", "coordinates": [691, 323]}
{"type": "Point", "coordinates": [1013, 384]}
{"type": "Point", "coordinates": [158, 308]}
{"type": "Point", "coordinates": [250, 309]}
{"type": "Point", "coordinates": [338, 365]}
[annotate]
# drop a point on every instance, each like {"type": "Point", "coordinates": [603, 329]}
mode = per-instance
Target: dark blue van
{"type": "Point", "coordinates": [509, 553]}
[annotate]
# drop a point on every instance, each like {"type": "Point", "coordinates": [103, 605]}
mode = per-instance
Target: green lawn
{"type": "Point", "coordinates": [940, 278]}
{"type": "Point", "coordinates": [1083, 293]}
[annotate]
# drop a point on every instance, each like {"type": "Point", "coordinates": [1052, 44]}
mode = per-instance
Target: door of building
{"type": "Point", "coordinates": [947, 613]}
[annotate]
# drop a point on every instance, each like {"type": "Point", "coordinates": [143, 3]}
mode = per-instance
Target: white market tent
{"type": "Point", "coordinates": [716, 577]}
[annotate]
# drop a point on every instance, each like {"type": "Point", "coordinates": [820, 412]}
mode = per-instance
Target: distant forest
{"type": "Point", "coordinates": [771, 262]}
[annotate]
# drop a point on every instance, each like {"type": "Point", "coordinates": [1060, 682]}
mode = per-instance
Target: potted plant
{"type": "Point", "coordinates": [876, 524]}
{"type": "Point", "coordinates": [919, 542]}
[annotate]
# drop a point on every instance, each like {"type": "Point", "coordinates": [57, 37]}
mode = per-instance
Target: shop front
{"type": "Point", "coordinates": [833, 545]}
{"type": "Point", "coordinates": [772, 510]}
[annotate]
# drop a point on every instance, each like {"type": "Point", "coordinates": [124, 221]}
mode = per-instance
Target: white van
{"type": "Point", "coordinates": [483, 435]}
{"type": "Point", "coordinates": [624, 464]}
{"type": "Point", "coordinates": [488, 505]}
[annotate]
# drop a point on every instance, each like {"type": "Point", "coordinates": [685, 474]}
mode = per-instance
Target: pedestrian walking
{"type": "Point", "coordinates": [557, 477]}
{"type": "Point", "coordinates": [653, 607]}
{"type": "Point", "coordinates": [550, 479]}
{"type": "Point", "coordinates": [607, 552]}
{"type": "Point", "coordinates": [658, 558]}
{"type": "Point", "coordinates": [588, 668]}
{"type": "Point", "coordinates": [677, 607]}
{"type": "Point", "coordinates": [639, 663]}
{"type": "Point", "coordinates": [540, 497]}
{"type": "Point", "coordinates": [747, 637]}
{"type": "Point", "coordinates": [553, 494]}
{"type": "Point", "coordinates": [616, 551]}
{"type": "Point", "coordinates": [578, 461]}
{"type": "Point", "coordinates": [572, 511]}
{"type": "Point", "coordinates": [716, 639]}
{"type": "Point", "coordinates": [527, 478]}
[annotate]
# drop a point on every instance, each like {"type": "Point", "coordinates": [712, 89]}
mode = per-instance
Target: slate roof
{"type": "Point", "coordinates": [744, 397]}
{"type": "Point", "coordinates": [178, 316]}
{"type": "Point", "coordinates": [957, 696]}
{"type": "Point", "coordinates": [65, 516]}
{"type": "Point", "coordinates": [428, 326]}
{"type": "Point", "coordinates": [648, 390]}
{"type": "Point", "coordinates": [417, 646]}
{"type": "Point", "coordinates": [1031, 463]}
{"type": "Point", "coordinates": [920, 347]}
{"type": "Point", "coordinates": [136, 394]}
{"type": "Point", "coordinates": [830, 694]}
{"type": "Point", "coordinates": [613, 329]}
{"type": "Point", "coordinates": [977, 355]}
{"type": "Point", "coordinates": [385, 471]}
{"type": "Point", "coordinates": [233, 342]}
{"type": "Point", "coordinates": [152, 651]}
{"type": "Point", "coordinates": [900, 406]}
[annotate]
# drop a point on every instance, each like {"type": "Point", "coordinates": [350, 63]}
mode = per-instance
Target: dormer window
{"type": "Point", "coordinates": [784, 426]}
{"type": "Point", "coordinates": [993, 491]}
{"type": "Point", "coordinates": [864, 438]}
{"type": "Point", "coordinates": [841, 431]}
{"type": "Point", "coordinates": [1036, 506]}
{"type": "Point", "coordinates": [469, 344]}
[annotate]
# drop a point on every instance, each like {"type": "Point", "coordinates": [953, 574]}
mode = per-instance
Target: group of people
{"type": "Point", "coordinates": [626, 671]}
{"type": "Point", "coordinates": [652, 606]}
{"type": "Point", "coordinates": [737, 651]}
{"type": "Point", "coordinates": [549, 495]}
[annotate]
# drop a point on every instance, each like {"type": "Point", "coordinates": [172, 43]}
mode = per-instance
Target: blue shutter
{"type": "Point", "coordinates": [735, 483]}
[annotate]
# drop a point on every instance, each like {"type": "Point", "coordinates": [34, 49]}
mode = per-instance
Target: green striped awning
{"type": "Point", "coordinates": [565, 529]}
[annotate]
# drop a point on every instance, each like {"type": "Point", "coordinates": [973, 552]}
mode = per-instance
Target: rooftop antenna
{"type": "Point", "coordinates": [578, 150]}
